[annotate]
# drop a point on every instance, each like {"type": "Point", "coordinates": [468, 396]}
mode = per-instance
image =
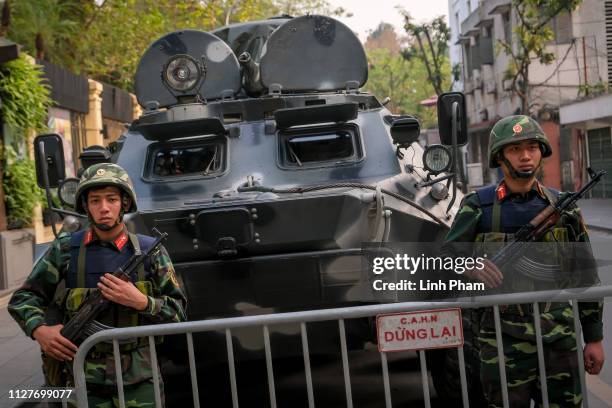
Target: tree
{"type": "Point", "coordinates": [531, 35]}
{"type": "Point", "coordinates": [384, 36]}
{"type": "Point", "coordinates": [404, 80]}
{"type": "Point", "coordinates": [104, 39]}
{"type": "Point", "coordinates": [302, 7]}
{"type": "Point", "coordinates": [42, 26]}
{"type": "Point", "coordinates": [429, 43]}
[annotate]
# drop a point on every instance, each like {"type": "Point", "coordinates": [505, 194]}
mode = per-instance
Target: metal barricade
{"type": "Point", "coordinates": [338, 314]}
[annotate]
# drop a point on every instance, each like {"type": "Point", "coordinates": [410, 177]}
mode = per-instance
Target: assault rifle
{"type": "Point", "coordinates": [83, 323]}
{"type": "Point", "coordinates": [537, 227]}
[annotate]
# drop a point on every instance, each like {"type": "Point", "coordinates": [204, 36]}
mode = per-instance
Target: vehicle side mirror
{"type": "Point", "coordinates": [49, 158]}
{"type": "Point", "coordinates": [445, 118]}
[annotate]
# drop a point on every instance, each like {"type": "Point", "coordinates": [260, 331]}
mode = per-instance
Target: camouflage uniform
{"type": "Point", "coordinates": [166, 303]}
{"type": "Point", "coordinates": [475, 222]}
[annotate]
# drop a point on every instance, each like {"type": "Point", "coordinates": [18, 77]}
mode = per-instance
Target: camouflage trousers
{"type": "Point", "coordinates": [522, 375]}
{"type": "Point", "coordinates": [141, 395]}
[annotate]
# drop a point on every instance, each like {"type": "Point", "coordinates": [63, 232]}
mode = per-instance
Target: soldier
{"type": "Point", "coordinates": [82, 262]}
{"type": "Point", "coordinates": [492, 214]}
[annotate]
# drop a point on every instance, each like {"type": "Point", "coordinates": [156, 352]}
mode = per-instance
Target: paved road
{"type": "Point", "coordinates": [20, 365]}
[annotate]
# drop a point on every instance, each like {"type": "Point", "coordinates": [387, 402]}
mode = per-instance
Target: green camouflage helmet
{"type": "Point", "coordinates": [102, 175]}
{"type": "Point", "coordinates": [513, 129]}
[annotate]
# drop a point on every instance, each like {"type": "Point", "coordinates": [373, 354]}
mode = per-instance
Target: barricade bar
{"type": "Point", "coordinates": [118, 374]}
{"type": "Point", "coordinates": [385, 372]}
{"type": "Point", "coordinates": [156, 374]}
{"type": "Point", "coordinates": [341, 313]}
{"type": "Point", "coordinates": [269, 367]}
{"type": "Point", "coordinates": [345, 364]}
{"type": "Point", "coordinates": [193, 372]}
{"type": "Point", "coordinates": [425, 379]}
{"type": "Point", "coordinates": [307, 371]}
{"type": "Point", "coordinates": [501, 357]}
{"type": "Point", "coordinates": [463, 377]}
{"type": "Point", "coordinates": [232, 367]}
{"type": "Point", "coordinates": [579, 352]}
{"type": "Point", "coordinates": [540, 346]}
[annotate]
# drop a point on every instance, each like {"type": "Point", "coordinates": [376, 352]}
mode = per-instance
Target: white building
{"type": "Point", "coordinates": [580, 68]}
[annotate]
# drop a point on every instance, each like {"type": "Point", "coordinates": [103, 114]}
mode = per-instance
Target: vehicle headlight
{"type": "Point", "coordinates": [437, 159]}
{"type": "Point", "coordinates": [182, 73]}
{"type": "Point", "coordinates": [67, 191]}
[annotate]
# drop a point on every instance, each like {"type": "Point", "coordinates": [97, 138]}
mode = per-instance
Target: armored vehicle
{"type": "Point", "coordinates": [268, 166]}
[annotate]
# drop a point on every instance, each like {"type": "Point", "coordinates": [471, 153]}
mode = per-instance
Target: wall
{"type": "Point", "coordinates": [552, 164]}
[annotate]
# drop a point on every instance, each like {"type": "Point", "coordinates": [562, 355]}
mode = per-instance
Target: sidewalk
{"type": "Point", "coordinates": [20, 362]}
{"type": "Point", "coordinates": [597, 213]}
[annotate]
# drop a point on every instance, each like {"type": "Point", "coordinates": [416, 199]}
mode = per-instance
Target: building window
{"type": "Point", "coordinates": [561, 26]}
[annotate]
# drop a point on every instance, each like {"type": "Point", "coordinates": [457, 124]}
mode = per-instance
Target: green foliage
{"type": "Point", "coordinates": [45, 26]}
{"type": "Point", "coordinates": [530, 38]}
{"type": "Point", "coordinates": [302, 7]}
{"type": "Point", "coordinates": [429, 43]}
{"type": "Point", "coordinates": [594, 89]}
{"type": "Point", "coordinates": [105, 40]}
{"type": "Point", "coordinates": [406, 82]}
{"type": "Point", "coordinates": [20, 189]}
{"type": "Point", "coordinates": [25, 99]}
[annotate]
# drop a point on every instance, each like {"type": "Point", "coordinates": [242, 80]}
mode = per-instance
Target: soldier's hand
{"type": "Point", "coordinates": [490, 275]}
{"type": "Point", "coordinates": [53, 344]}
{"type": "Point", "coordinates": [594, 357]}
{"type": "Point", "coordinates": [122, 292]}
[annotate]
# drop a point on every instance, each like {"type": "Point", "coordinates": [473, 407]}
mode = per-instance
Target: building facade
{"type": "Point", "coordinates": [579, 69]}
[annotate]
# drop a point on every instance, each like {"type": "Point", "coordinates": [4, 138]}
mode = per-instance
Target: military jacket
{"type": "Point", "coordinates": [474, 223]}
{"type": "Point", "coordinates": [166, 301]}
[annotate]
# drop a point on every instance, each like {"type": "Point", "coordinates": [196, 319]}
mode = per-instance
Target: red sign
{"type": "Point", "coordinates": [421, 330]}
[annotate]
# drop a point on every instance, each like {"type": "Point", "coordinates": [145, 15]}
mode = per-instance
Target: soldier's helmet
{"type": "Point", "coordinates": [513, 129]}
{"type": "Point", "coordinates": [103, 175]}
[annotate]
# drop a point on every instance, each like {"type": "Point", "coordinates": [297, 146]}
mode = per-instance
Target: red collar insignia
{"type": "Point", "coordinates": [501, 191]}
{"type": "Point", "coordinates": [88, 237]}
{"type": "Point", "coordinates": [119, 242]}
